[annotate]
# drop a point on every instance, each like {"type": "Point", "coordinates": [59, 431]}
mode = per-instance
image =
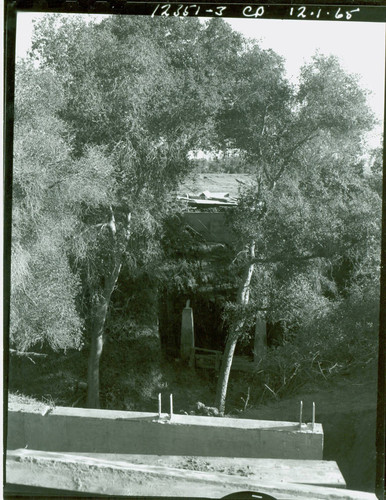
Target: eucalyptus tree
{"type": "Point", "coordinates": [44, 287]}
{"type": "Point", "coordinates": [310, 206]}
{"type": "Point", "coordinates": [134, 96]}
{"type": "Point", "coordinates": [139, 95]}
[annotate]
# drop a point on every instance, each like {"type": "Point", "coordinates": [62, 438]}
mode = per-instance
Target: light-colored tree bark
{"type": "Point", "coordinates": [99, 314]}
{"type": "Point", "coordinates": [97, 336]}
{"type": "Point", "coordinates": [230, 346]}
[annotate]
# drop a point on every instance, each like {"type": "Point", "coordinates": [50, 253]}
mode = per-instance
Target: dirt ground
{"type": "Point", "coordinates": [347, 411]}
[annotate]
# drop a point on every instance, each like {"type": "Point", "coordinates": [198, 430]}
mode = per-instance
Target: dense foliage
{"type": "Point", "coordinates": [107, 117]}
{"type": "Point", "coordinates": [310, 210]}
{"type": "Point", "coordinates": [44, 288]}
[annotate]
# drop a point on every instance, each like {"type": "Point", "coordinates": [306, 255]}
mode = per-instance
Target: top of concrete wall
{"type": "Point", "coordinates": [192, 420]}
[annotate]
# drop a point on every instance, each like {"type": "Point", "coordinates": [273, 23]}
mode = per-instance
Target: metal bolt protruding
{"type": "Point", "coordinates": [313, 415]}
{"type": "Point", "coordinates": [171, 405]}
{"type": "Point", "coordinates": [301, 414]}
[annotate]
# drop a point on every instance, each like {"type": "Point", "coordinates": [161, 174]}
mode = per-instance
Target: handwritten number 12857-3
{"type": "Point", "coordinates": [186, 10]}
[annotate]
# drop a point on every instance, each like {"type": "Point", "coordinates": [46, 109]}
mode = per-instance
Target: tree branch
{"type": "Point", "coordinates": [262, 130]}
{"type": "Point", "coordinates": [310, 136]}
{"type": "Point", "coordinates": [111, 224]}
{"type": "Point", "coordinates": [272, 180]}
{"type": "Point", "coordinates": [243, 292]}
{"type": "Point", "coordinates": [25, 354]}
{"type": "Point", "coordinates": [269, 178]}
{"type": "Point", "coordinates": [28, 297]}
{"type": "Point", "coordinates": [282, 258]}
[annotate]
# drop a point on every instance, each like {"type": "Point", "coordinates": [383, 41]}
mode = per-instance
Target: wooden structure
{"type": "Point", "coordinates": [211, 226]}
{"type": "Point", "coordinates": [209, 359]}
{"type": "Point", "coordinates": [208, 199]}
{"type": "Point", "coordinates": [187, 332]}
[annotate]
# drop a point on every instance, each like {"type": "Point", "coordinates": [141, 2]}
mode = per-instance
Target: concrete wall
{"type": "Point", "coordinates": [74, 475]}
{"type": "Point", "coordinates": [104, 431]}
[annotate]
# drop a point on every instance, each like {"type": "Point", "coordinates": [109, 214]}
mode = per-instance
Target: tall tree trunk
{"type": "Point", "coordinates": [96, 348]}
{"type": "Point", "coordinates": [230, 346]}
{"type": "Point", "coordinates": [226, 365]}
{"type": "Point", "coordinates": [97, 329]}
{"type": "Point", "coordinates": [100, 309]}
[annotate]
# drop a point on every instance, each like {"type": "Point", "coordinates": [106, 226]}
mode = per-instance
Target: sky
{"type": "Point", "coordinates": [359, 46]}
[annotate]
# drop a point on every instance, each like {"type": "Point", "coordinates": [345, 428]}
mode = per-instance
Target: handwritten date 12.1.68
{"type": "Point", "coordinates": [255, 11]}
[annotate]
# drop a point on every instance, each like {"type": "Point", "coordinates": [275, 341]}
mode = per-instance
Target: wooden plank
{"type": "Point", "coordinates": [211, 351]}
{"type": "Point", "coordinates": [209, 361]}
{"type": "Point", "coordinates": [85, 474]}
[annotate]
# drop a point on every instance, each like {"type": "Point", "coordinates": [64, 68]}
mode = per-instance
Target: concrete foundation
{"type": "Point", "coordinates": [103, 431]}
{"type": "Point", "coordinates": [89, 475]}
{"type": "Point", "coordinates": [313, 472]}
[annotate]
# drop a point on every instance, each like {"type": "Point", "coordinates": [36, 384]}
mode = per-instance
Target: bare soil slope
{"type": "Point", "coordinates": [347, 411]}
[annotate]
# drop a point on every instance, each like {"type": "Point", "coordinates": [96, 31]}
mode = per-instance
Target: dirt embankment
{"type": "Point", "coordinates": [347, 411]}
{"type": "Point", "coordinates": [346, 406]}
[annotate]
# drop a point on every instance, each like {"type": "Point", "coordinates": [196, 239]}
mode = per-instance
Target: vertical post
{"type": "Point", "coordinates": [159, 405]}
{"type": "Point", "coordinates": [260, 341]}
{"type": "Point", "coordinates": [192, 359]}
{"type": "Point", "coordinates": [171, 406]}
{"type": "Point", "coordinates": [187, 332]}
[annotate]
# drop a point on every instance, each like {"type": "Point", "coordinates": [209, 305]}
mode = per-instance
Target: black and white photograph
{"type": "Point", "coordinates": [195, 222]}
